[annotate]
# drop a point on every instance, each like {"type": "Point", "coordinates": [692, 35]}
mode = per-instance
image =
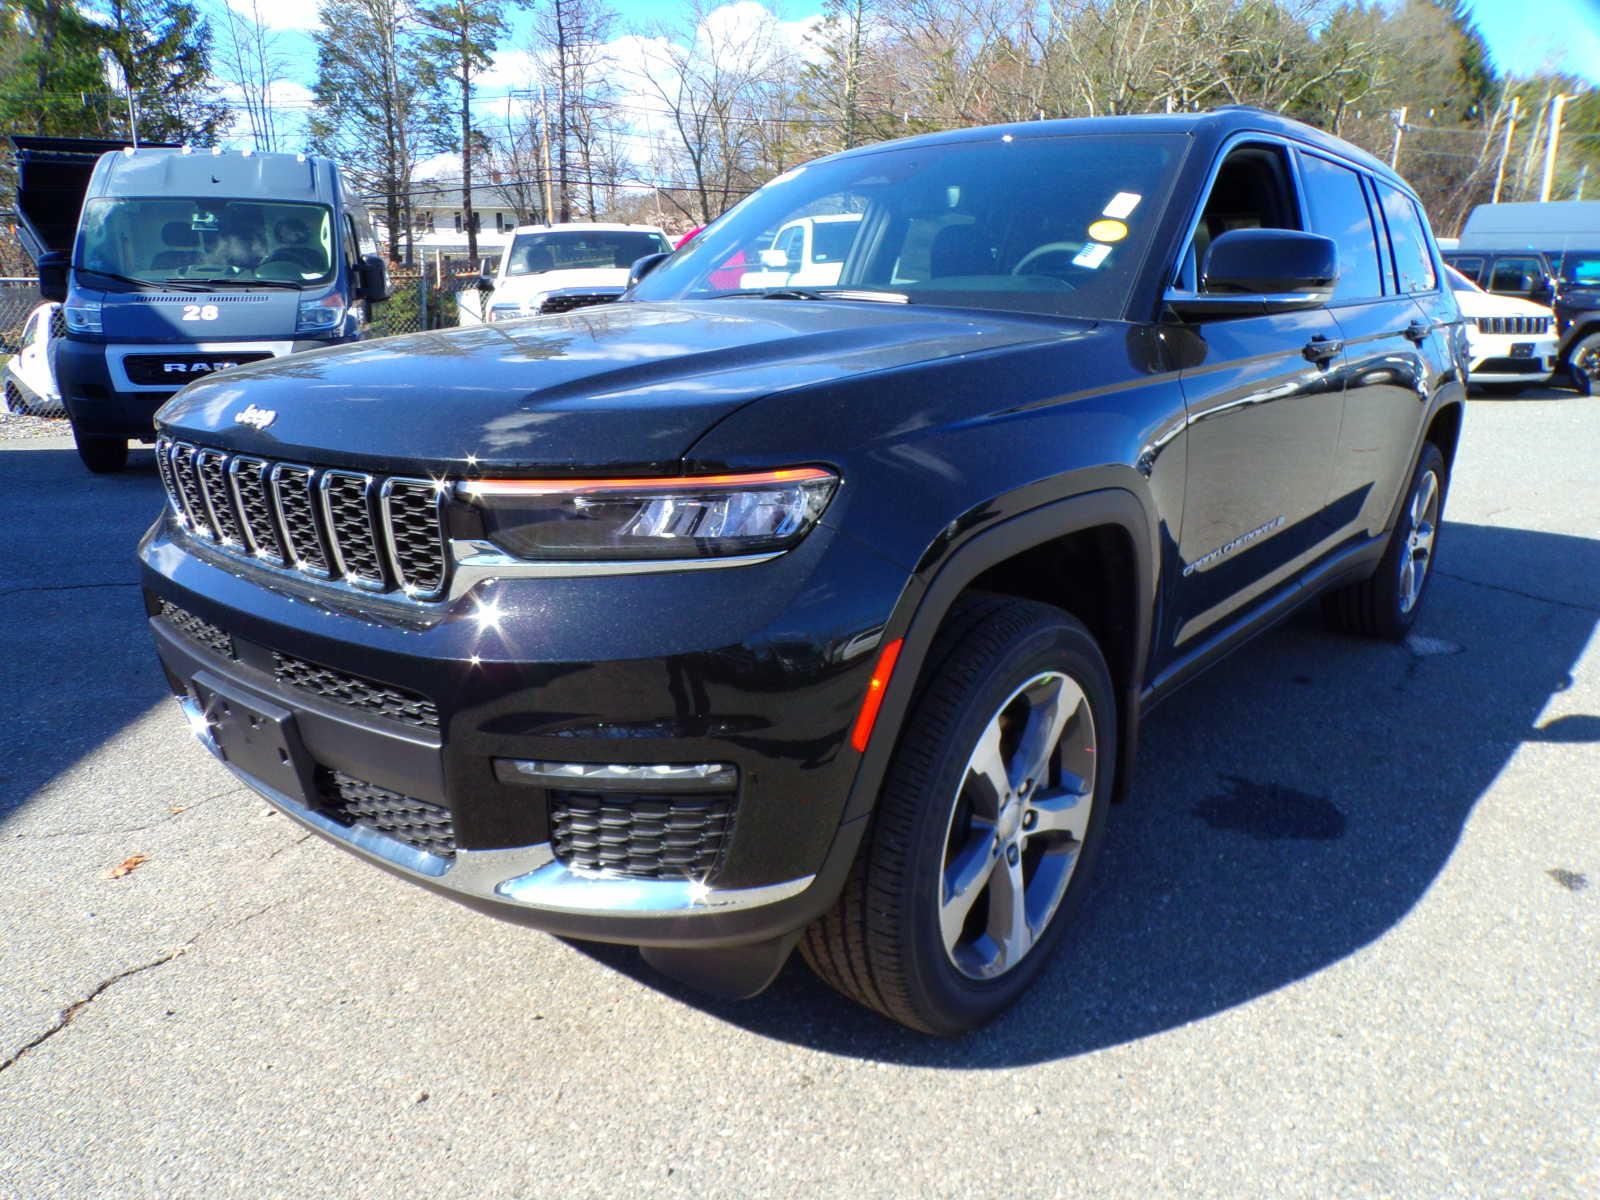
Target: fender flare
{"type": "Point", "coordinates": [922, 609]}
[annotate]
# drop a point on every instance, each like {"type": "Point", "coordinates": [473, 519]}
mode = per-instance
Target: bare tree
{"type": "Point", "coordinates": [251, 57]}
{"type": "Point", "coordinates": [463, 37]}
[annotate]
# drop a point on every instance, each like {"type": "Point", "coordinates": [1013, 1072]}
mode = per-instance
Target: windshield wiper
{"type": "Point", "coordinates": [810, 293]}
{"type": "Point", "coordinates": [152, 284]}
{"type": "Point", "coordinates": [234, 281]}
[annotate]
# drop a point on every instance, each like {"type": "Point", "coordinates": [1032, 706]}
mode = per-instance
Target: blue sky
{"type": "Point", "coordinates": [1526, 36]}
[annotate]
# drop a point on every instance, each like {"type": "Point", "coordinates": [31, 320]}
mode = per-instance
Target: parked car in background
{"type": "Point", "coordinates": [1513, 342]}
{"type": "Point", "coordinates": [29, 374]}
{"type": "Point", "coordinates": [808, 252]}
{"type": "Point", "coordinates": [172, 262]}
{"type": "Point", "coordinates": [724, 621]}
{"type": "Point", "coordinates": [555, 268]}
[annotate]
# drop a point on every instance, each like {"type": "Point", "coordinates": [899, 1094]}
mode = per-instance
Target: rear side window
{"type": "Point", "coordinates": [1339, 211]}
{"type": "Point", "coordinates": [1413, 262]}
{"type": "Point", "coordinates": [1516, 276]}
{"type": "Point", "coordinates": [1470, 267]}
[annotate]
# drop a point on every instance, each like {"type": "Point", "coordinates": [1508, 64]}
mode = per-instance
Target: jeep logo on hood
{"type": "Point", "coordinates": [260, 418]}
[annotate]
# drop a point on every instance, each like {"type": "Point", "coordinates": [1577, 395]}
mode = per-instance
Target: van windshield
{"type": "Point", "coordinates": [581, 250]}
{"type": "Point", "coordinates": [1045, 224]}
{"type": "Point", "coordinates": [161, 238]}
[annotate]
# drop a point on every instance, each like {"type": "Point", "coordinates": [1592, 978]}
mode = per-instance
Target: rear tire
{"type": "Point", "coordinates": [102, 455]}
{"type": "Point", "coordinates": [990, 818]}
{"type": "Point", "coordinates": [1583, 365]}
{"type": "Point", "coordinates": [1386, 604]}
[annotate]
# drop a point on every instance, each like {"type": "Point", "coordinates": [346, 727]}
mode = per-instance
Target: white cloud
{"type": "Point", "coordinates": [279, 14]}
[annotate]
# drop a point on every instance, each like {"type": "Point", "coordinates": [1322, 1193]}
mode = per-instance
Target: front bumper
{"type": "Point", "coordinates": [1510, 358]}
{"type": "Point", "coordinates": [563, 676]}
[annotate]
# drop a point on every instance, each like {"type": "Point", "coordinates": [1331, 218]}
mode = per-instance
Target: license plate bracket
{"type": "Point", "coordinates": [257, 737]}
{"type": "Point", "coordinates": [1521, 349]}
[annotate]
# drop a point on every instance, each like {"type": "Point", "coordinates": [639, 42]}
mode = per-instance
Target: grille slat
{"type": "Point", "coordinates": [560, 304]}
{"type": "Point", "coordinates": [380, 699]}
{"type": "Point", "coordinates": [376, 534]}
{"type": "Point", "coordinates": [412, 521]}
{"type": "Point", "coordinates": [641, 836]}
{"type": "Point", "coordinates": [211, 467]}
{"type": "Point", "coordinates": [1537, 326]}
{"type": "Point", "coordinates": [417, 823]}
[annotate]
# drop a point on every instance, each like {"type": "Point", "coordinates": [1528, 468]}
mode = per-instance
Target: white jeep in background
{"type": "Point", "coordinates": [1513, 342]}
{"type": "Point", "coordinates": [556, 268]}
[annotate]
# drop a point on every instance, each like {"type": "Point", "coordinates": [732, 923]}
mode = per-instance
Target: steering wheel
{"type": "Point", "coordinates": [298, 256]}
{"type": "Point", "coordinates": [1048, 250]}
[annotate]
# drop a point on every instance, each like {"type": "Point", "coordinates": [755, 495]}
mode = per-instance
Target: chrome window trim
{"type": "Point", "coordinates": [279, 469]}
{"type": "Point", "coordinates": [385, 497]}
{"type": "Point", "coordinates": [255, 548]}
{"type": "Point", "coordinates": [336, 559]}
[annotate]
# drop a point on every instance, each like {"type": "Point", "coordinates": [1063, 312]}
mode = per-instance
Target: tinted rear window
{"type": "Point", "coordinates": [1413, 261]}
{"type": "Point", "coordinates": [1339, 211]}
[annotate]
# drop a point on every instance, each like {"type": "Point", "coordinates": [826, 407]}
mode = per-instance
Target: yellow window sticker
{"type": "Point", "coordinates": [1108, 231]}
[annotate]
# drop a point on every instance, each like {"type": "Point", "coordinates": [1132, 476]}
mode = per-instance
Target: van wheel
{"type": "Point", "coordinates": [1386, 604]}
{"type": "Point", "coordinates": [1583, 365]}
{"type": "Point", "coordinates": [988, 825]}
{"type": "Point", "coordinates": [102, 455]}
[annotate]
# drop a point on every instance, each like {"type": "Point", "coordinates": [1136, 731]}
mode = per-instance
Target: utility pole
{"type": "Point", "coordinates": [1553, 142]}
{"type": "Point", "coordinates": [544, 144]}
{"type": "Point", "coordinates": [1583, 175]}
{"type": "Point", "coordinates": [1505, 148]}
{"type": "Point", "coordinates": [1399, 130]}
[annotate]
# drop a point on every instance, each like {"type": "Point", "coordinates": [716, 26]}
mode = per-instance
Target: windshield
{"type": "Point", "coordinates": [158, 239]}
{"type": "Point", "coordinates": [581, 250]}
{"type": "Point", "coordinates": [1053, 225]}
{"type": "Point", "coordinates": [1581, 267]}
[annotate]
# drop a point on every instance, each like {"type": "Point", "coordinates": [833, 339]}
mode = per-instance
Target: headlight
{"type": "Point", "coordinates": [682, 517]}
{"type": "Point", "coordinates": [504, 312]}
{"type": "Point", "coordinates": [81, 315]}
{"type": "Point", "coordinates": [322, 312]}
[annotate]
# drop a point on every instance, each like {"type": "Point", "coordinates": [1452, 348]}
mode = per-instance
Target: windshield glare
{"type": "Point", "coordinates": [156, 239]}
{"type": "Point", "coordinates": [1581, 267]}
{"type": "Point", "coordinates": [580, 250]}
{"type": "Point", "coordinates": [1054, 225]}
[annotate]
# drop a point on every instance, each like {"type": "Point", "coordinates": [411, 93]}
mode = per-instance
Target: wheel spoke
{"type": "Point", "coordinates": [1047, 720]}
{"type": "Point", "coordinates": [1408, 578]}
{"type": "Point", "coordinates": [964, 881]}
{"type": "Point", "coordinates": [986, 769]}
{"type": "Point", "coordinates": [1424, 539]}
{"type": "Point", "coordinates": [1008, 913]}
{"type": "Point", "coordinates": [1061, 810]}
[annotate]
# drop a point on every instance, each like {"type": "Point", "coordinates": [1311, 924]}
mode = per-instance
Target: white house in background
{"type": "Point", "coordinates": [438, 223]}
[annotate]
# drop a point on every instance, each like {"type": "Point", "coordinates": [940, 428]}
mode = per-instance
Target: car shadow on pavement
{"type": "Point", "coordinates": [1291, 807]}
{"type": "Point", "coordinates": [76, 664]}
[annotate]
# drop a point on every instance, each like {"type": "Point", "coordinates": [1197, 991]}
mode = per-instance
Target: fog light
{"type": "Point", "coordinates": [619, 777]}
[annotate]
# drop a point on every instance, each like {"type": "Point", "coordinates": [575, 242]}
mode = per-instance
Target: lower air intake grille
{"type": "Point", "coordinates": [197, 629]}
{"type": "Point", "coordinates": [645, 837]}
{"type": "Point", "coordinates": [378, 699]}
{"type": "Point", "coordinates": [418, 824]}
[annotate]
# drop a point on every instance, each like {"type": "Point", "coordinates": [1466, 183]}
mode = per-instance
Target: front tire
{"type": "Point", "coordinates": [1386, 604]}
{"type": "Point", "coordinates": [986, 831]}
{"type": "Point", "coordinates": [102, 455]}
{"type": "Point", "coordinates": [1583, 365]}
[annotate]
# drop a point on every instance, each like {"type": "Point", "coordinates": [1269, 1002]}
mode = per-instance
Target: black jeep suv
{"type": "Point", "coordinates": [795, 601]}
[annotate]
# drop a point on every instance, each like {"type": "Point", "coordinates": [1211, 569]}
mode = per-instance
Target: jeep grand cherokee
{"type": "Point", "coordinates": [730, 618]}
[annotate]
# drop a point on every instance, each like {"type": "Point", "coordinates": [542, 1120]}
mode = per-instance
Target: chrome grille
{"type": "Point", "coordinates": [560, 304]}
{"type": "Point", "coordinates": [378, 534]}
{"type": "Point", "coordinates": [411, 510]}
{"type": "Point", "coordinates": [1528, 325]}
{"type": "Point", "coordinates": [348, 516]}
{"type": "Point", "coordinates": [213, 472]}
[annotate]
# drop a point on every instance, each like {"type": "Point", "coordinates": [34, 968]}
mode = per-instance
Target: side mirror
{"type": "Point", "coordinates": [53, 267]}
{"type": "Point", "coordinates": [1262, 271]}
{"type": "Point", "coordinates": [643, 266]}
{"type": "Point", "coordinates": [374, 278]}
{"type": "Point", "coordinates": [774, 260]}
{"type": "Point", "coordinates": [484, 283]}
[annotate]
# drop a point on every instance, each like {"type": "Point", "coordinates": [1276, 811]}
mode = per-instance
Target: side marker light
{"type": "Point", "coordinates": [874, 699]}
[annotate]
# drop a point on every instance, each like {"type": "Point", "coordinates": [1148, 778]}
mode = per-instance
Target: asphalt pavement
{"type": "Point", "coordinates": [1345, 938]}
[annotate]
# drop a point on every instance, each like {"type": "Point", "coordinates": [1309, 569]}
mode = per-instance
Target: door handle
{"type": "Point", "coordinates": [1418, 331]}
{"type": "Point", "coordinates": [1322, 350]}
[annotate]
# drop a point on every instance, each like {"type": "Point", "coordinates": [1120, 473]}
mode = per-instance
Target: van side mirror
{"type": "Point", "coordinates": [643, 266]}
{"type": "Point", "coordinates": [374, 278]}
{"type": "Point", "coordinates": [53, 267]}
{"type": "Point", "coordinates": [1262, 271]}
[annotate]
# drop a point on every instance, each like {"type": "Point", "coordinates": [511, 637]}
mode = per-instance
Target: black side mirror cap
{"type": "Point", "coordinates": [484, 283]}
{"type": "Point", "coordinates": [374, 278]}
{"type": "Point", "coordinates": [53, 268]}
{"type": "Point", "coordinates": [1262, 271]}
{"type": "Point", "coordinates": [643, 266]}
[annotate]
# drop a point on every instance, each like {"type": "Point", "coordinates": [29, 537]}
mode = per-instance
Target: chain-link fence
{"type": "Point", "coordinates": [416, 303]}
{"type": "Point", "coordinates": [18, 298]}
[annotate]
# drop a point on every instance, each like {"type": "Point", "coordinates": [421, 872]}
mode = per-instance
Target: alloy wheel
{"type": "Point", "coordinates": [1418, 555]}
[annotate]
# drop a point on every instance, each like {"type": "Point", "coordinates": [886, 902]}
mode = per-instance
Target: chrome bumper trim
{"type": "Point", "coordinates": [527, 876]}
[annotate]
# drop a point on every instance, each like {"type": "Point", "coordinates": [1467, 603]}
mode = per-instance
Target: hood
{"type": "Point", "coordinates": [1487, 304]}
{"type": "Point", "coordinates": [518, 288]}
{"type": "Point", "coordinates": [219, 315]}
{"type": "Point", "coordinates": [622, 385]}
